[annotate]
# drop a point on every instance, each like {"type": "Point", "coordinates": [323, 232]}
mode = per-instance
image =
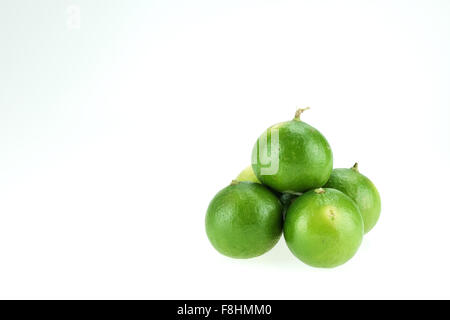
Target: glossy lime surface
{"type": "Point", "coordinates": [244, 220]}
{"type": "Point", "coordinates": [323, 228]}
{"type": "Point", "coordinates": [304, 157]}
{"type": "Point", "coordinates": [361, 190]}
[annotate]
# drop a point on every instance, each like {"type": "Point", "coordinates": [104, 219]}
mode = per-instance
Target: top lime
{"type": "Point", "coordinates": [292, 156]}
{"type": "Point", "coordinates": [361, 190]}
{"type": "Point", "coordinates": [244, 220]}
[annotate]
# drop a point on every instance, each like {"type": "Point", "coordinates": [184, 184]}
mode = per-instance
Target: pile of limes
{"type": "Point", "coordinates": [292, 187]}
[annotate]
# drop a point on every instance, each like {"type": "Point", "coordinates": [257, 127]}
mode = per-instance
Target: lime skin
{"type": "Point", "coordinates": [244, 220]}
{"type": "Point", "coordinates": [305, 159]}
{"type": "Point", "coordinates": [247, 175]}
{"type": "Point", "coordinates": [361, 190]}
{"type": "Point", "coordinates": [323, 228]}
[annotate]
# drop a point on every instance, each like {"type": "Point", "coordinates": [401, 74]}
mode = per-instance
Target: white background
{"type": "Point", "coordinates": [114, 137]}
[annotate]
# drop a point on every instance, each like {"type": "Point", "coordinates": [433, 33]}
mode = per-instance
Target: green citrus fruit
{"type": "Point", "coordinates": [323, 228]}
{"type": "Point", "coordinates": [247, 175]}
{"type": "Point", "coordinates": [361, 190]}
{"type": "Point", "coordinates": [286, 200]}
{"type": "Point", "coordinates": [292, 156]}
{"type": "Point", "coordinates": [244, 220]}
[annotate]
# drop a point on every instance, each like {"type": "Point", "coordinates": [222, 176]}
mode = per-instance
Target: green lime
{"type": "Point", "coordinates": [323, 228]}
{"type": "Point", "coordinates": [244, 220]}
{"type": "Point", "coordinates": [247, 175]}
{"type": "Point", "coordinates": [286, 200]}
{"type": "Point", "coordinates": [292, 156]}
{"type": "Point", "coordinates": [361, 190]}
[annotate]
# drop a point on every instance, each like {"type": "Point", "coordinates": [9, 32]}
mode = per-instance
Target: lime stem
{"type": "Point", "coordinates": [319, 191]}
{"type": "Point", "coordinates": [299, 112]}
{"type": "Point", "coordinates": [355, 167]}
